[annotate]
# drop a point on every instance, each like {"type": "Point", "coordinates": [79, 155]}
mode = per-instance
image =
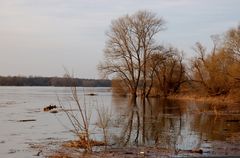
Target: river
{"type": "Point", "coordinates": [172, 125]}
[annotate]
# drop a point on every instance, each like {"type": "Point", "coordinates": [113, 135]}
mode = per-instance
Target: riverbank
{"type": "Point", "coordinates": [229, 148]}
{"type": "Point", "coordinates": [131, 152]}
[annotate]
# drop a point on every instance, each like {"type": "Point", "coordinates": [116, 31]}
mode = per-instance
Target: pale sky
{"type": "Point", "coordinates": [40, 37]}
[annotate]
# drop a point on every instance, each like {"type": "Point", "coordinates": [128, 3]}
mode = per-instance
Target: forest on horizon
{"type": "Point", "coordinates": [52, 81]}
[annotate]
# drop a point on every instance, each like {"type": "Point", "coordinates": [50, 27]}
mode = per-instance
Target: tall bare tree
{"type": "Point", "coordinates": [131, 41]}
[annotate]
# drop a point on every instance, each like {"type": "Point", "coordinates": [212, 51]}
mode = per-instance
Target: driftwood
{"type": "Point", "coordinates": [49, 107]}
{"type": "Point", "coordinates": [27, 120]}
{"type": "Point", "coordinates": [199, 151]}
{"type": "Point", "coordinates": [91, 94]}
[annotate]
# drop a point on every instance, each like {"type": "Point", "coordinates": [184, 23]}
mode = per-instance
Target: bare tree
{"type": "Point", "coordinates": [170, 72]}
{"type": "Point", "coordinates": [198, 65]}
{"type": "Point", "coordinates": [211, 71]}
{"type": "Point", "coordinates": [131, 41]}
{"type": "Point", "coordinates": [232, 46]}
{"type": "Point", "coordinates": [232, 41]}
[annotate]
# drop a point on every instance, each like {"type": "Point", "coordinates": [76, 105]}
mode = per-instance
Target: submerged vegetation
{"type": "Point", "coordinates": [162, 127]}
{"type": "Point", "coordinates": [139, 65]}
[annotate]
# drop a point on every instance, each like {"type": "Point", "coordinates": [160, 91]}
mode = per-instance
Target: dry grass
{"type": "Point", "coordinates": [215, 100]}
{"type": "Point", "coordinates": [104, 118]}
{"type": "Point", "coordinates": [134, 152]}
{"type": "Point", "coordinates": [83, 144]}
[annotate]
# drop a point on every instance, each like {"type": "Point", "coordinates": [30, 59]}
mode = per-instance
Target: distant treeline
{"type": "Point", "coordinates": [52, 81]}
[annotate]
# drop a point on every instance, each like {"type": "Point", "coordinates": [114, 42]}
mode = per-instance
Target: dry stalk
{"type": "Point", "coordinates": [104, 117]}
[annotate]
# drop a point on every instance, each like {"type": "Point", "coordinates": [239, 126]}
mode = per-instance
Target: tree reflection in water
{"type": "Point", "coordinates": [130, 131]}
{"type": "Point", "coordinates": [150, 124]}
{"type": "Point", "coordinates": [173, 125]}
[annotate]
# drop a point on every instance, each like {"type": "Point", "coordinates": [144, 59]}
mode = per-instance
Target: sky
{"type": "Point", "coordinates": [43, 37]}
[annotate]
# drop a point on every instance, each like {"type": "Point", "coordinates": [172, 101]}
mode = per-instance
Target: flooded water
{"type": "Point", "coordinates": [171, 125]}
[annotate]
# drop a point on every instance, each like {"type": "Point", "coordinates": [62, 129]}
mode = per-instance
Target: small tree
{"type": "Point", "coordinates": [232, 47]}
{"type": "Point", "coordinates": [211, 71]}
{"type": "Point", "coordinates": [169, 71]}
{"type": "Point", "coordinates": [232, 41]}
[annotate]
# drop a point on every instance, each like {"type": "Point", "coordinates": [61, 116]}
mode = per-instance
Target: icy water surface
{"type": "Point", "coordinates": [18, 137]}
{"type": "Point", "coordinates": [173, 125]}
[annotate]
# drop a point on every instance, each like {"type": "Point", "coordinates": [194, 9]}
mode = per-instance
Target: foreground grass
{"type": "Point", "coordinates": [131, 152]}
